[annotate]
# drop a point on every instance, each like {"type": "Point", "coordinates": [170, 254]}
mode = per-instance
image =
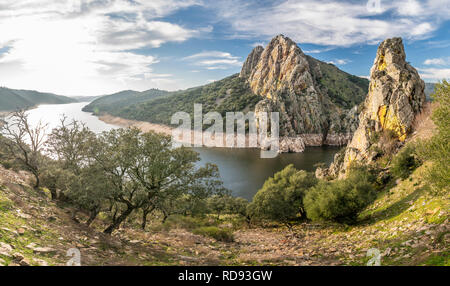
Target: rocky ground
{"type": "Point", "coordinates": [406, 224]}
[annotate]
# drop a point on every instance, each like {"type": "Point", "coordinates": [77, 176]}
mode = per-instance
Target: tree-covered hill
{"type": "Point", "coordinates": [226, 95]}
{"type": "Point", "coordinates": [11, 99]}
{"type": "Point", "coordinates": [113, 102]}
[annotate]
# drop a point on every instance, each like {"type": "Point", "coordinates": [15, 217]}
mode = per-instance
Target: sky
{"type": "Point", "coordinates": [97, 47]}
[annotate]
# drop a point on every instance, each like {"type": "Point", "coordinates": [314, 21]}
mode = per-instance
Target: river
{"type": "Point", "coordinates": [242, 170]}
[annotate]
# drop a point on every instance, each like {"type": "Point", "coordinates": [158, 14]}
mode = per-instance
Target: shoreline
{"type": "Point", "coordinates": [141, 125]}
{"type": "Point", "coordinates": [286, 144]}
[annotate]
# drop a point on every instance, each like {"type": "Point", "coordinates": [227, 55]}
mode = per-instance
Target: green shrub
{"type": "Point", "coordinates": [341, 200]}
{"type": "Point", "coordinates": [220, 234]}
{"type": "Point", "coordinates": [226, 204]}
{"type": "Point", "coordinates": [405, 162]}
{"type": "Point", "coordinates": [281, 197]}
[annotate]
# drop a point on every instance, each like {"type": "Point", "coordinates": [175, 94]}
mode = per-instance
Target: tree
{"type": "Point", "coordinates": [281, 197]}
{"type": "Point", "coordinates": [25, 142]}
{"type": "Point", "coordinates": [71, 144]}
{"type": "Point", "coordinates": [219, 204]}
{"type": "Point", "coordinates": [89, 191]}
{"type": "Point", "coordinates": [341, 200]}
{"type": "Point", "coordinates": [227, 204]}
{"type": "Point", "coordinates": [54, 178]}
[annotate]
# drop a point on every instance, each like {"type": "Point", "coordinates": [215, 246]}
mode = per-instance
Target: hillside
{"type": "Point", "coordinates": [12, 99]}
{"type": "Point", "coordinates": [229, 94]}
{"type": "Point", "coordinates": [406, 224]}
{"type": "Point", "coordinates": [117, 101]}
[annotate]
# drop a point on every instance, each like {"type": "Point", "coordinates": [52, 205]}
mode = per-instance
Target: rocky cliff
{"type": "Point", "coordinates": [396, 95]}
{"type": "Point", "coordinates": [311, 112]}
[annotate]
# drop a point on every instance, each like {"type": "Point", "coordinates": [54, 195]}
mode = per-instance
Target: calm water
{"type": "Point", "coordinates": [242, 170]}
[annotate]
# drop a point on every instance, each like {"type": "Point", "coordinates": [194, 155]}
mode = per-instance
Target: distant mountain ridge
{"type": "Point", "coordinates": [111, 103]}
{"type": "Point", "coordinates": [13, 99]}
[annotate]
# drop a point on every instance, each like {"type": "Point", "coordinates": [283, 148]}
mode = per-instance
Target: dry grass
{"type": "Point", "coordinates": [423, 126]}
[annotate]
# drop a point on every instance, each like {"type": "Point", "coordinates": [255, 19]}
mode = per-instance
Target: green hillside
{"type": "Point", "coordinates": [229, 94]}
{"type": "Point", "coordinates": [344, 90]}
{"type": "Point", "coordinates": [11, 99]}
{"type": "Point", "coordinates": [112, 103]}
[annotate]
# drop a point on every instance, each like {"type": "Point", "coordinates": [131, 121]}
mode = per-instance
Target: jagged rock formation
{"type": "Point", "coordinates": [396, 95]}
{"type": "Point", "coordinates": [290, 83]}
{"type": "Point", "coordinates": [251, 62]}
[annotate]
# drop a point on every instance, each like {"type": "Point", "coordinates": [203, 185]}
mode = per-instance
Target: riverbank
{"type": "Point", "coordinates": [141, 125]}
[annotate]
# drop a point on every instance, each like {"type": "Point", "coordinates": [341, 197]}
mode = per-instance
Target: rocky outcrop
{"type": "Point", "coordinates": [289, 83]}
{"type": "Point", "coordinates": [396, 95]}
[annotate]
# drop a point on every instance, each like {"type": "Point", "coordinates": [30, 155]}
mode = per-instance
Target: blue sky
{"type": "Point", "coordinates": [92, 47]}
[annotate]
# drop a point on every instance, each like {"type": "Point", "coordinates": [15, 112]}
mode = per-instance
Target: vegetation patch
{"type": "Point", "coordinates": [217, 233]}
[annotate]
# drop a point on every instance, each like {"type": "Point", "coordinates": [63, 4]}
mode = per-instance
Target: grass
{"type": "Point", "coordinates": [219, 234]}
{"type": "Point", "coordinates": [441, 259]}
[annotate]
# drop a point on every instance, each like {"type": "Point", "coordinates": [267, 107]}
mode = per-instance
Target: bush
{"type": "Point", "coordinates": [220, 234]}
{"type": "Point", "coordinates": [226, 204]}
{"type": "Point", "coordinates": [405, 162]}
{"type": "Point", "coordinates": [281, 197]}
{"type": "Point", "coordinates": [342, 200]}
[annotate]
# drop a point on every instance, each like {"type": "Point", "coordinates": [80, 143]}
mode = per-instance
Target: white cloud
{"type": "Point", "coordinates": [262, 44]}
{"type": "Point", "coordinates": [332, 22]}
{"type": "Point", "coordinates": [339, 62]}
{"type": "Point", "coordinates": [318, 51]}
{"type": "Point", "coordinates": [437, 61]}
{"type": "Point", "coordinates": [210, 54]}
{"type": "Point", "coordinates": [84, 47]}
{"type": "Point", "coordinates": [214, 60]}
{"type": "Point", "coordinates": [434, 74]}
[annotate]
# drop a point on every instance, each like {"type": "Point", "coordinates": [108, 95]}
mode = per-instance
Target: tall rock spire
{"type": "Point", "coordinates": [396, 95]}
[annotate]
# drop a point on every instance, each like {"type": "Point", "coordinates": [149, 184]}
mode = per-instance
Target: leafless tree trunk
{"type": "Point", "coordinates": [25, 141]}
